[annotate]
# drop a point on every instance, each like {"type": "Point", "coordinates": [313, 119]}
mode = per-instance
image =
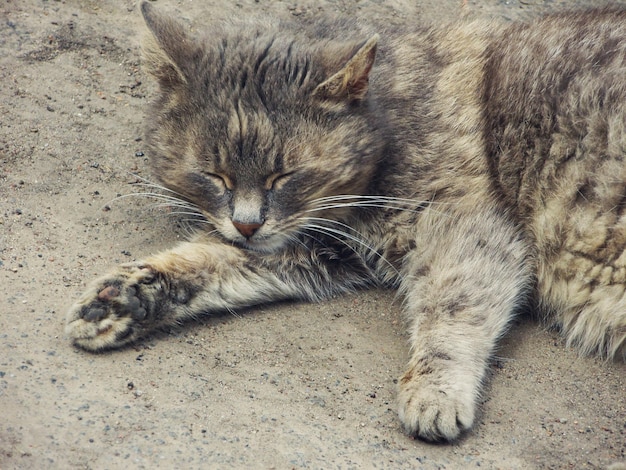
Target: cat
{"type": "Point", "coordinates": [477, 168]}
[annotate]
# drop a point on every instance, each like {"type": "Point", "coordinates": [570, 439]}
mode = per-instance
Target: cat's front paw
{"type": "Point", "coordinates": [432, 409]}
{"type": "Point", "coordinates": [115, 309]}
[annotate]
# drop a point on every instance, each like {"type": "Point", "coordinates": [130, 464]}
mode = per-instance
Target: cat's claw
{"type": "Point", "coordinates": [434, 413]}
{"type": "Point", "coordinates": [110, 313]}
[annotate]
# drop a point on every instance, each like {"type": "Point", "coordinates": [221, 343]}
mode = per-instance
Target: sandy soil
{"type": "Point", "coordinates": [287, 386]}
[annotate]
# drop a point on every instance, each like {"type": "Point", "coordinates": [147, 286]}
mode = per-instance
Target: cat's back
{"type": "Point", "coordinates": [555, 103]}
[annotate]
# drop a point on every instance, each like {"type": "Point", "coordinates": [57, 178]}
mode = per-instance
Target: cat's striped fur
{"type": "Point", "coordinates": [478, 168]}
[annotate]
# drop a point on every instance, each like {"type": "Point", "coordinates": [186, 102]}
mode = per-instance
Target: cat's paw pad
{"type": "Point", "coordinates": [434, 412]}
{"type": "Point", "coordinates": [111, 312]}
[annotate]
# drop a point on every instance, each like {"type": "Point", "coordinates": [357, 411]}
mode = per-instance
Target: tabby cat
{"type": "Point", "coordinates": [477, 168]}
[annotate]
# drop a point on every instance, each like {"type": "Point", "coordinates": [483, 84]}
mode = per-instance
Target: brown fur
{"type": "Point", "coordinates": [478, 168]}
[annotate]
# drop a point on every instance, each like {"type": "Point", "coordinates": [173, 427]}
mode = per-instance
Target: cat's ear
{"type": "Point", "coordinates": [351, 82]}
{"type": "Point", "coordinates": [165, 49]}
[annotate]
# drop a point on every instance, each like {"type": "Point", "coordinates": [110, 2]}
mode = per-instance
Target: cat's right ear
{"type": "Point", "coordinates": [165, 48]}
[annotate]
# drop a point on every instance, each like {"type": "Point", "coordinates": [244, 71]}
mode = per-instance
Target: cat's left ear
{"type": "Point", "coordinates": [351, 82]}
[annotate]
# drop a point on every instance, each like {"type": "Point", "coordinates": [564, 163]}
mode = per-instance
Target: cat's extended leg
{"type": "Point", "coordinates": [463, 284]}
{"type": "Point", "coordinates": [192, 279]}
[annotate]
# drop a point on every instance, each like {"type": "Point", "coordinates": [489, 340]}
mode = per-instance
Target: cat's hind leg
{"type": "Point", "coordinates": [600, 326]}
{"type": "Point", "coordinates": [581, 262]}
{"type": "Point", "coordinates": [589, 307]}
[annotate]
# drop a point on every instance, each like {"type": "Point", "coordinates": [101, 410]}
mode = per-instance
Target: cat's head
{"type": "Point", "coordinates": [259, 129]}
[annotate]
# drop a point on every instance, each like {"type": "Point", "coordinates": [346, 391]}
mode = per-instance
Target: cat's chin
{"type": "Point", "coordinates": [267, 245]}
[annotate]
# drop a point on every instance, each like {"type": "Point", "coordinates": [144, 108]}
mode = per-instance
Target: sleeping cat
{"type": "Point", "coordinates": [477, 168]}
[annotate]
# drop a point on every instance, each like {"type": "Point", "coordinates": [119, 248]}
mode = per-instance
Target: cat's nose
{"type": "Point", "coordinates": [247, 230]}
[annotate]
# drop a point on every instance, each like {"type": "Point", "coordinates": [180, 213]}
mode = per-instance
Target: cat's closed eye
{"type": "Point", "coordinates": [221, 181]}
{"type": "Point", "coordinates": [277, 180]}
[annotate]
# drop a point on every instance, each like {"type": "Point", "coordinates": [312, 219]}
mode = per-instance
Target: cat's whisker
{"type": "Point", "coordinates": [339, 235]}
{"type": "Point", "coordinates": [358, 238]}
{"type": "Point", "coordinates": [152, 184]}
{"type": "Point", "coordinates": [380, 198]}
{"type": "Point", "coordinates": [365, 201]}
{"type": "Point", "coordinates": [293, 237]}
{"type": "Point", "coordinates": [336, 235]}
{"type": "Point", "coordinates": [166, 200]}
{"type": "Point", "coordinates": [181, 210]}
{"type": "Point", "coordinates": [161, 190]}
{"type": "Point", "coordinates": [190, 217]}
{"type": "Point", "coordinates": [173, 199]}
{"type": "Point", "coordinates": [233, 312]}
{"type": "Point", "coordinates": [336, 222]}
{"type": "Point", "coordinates": [341, 197]}
{"type": "Point", "coordinates": [157, 196]}
{"type": "Point", "coordinates": [309, 236]}
{"type": "Point", "coordinates": [176, 210]}
{"type": "Point", "coordinates": [361, 204]}
{"type": "Point", "coordinates": [179, 206]}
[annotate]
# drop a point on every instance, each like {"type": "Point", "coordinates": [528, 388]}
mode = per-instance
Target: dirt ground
{"type": "Point", "coordinates": [286, 386]}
